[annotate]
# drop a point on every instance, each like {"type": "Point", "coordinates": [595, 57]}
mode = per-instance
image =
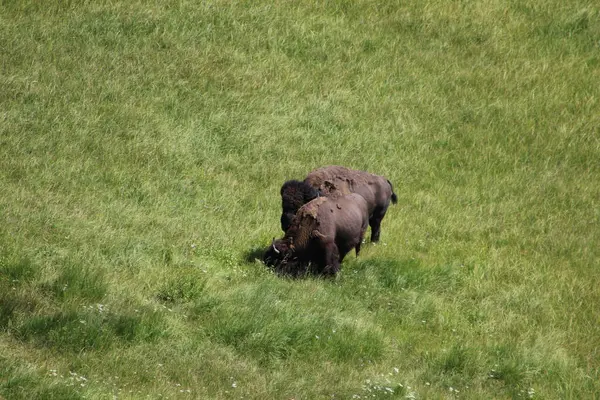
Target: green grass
{"type": "Point", "coordinates": [142, 148]}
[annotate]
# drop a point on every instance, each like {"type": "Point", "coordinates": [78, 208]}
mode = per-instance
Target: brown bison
{"type": "Point", "coordinates": [334, 181]}
{"type": "Point", "coordinates": [321, 233]}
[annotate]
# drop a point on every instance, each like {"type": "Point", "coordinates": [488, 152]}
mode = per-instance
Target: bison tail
{"type": "Point", "coordinates": [394, 197]}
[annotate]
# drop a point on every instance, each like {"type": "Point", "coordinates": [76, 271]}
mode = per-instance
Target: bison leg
{"type": "Point", "coordinates": [375, 229]}
{"type": "Point", "coordinates": [357, 248]}
{"type": "Point", "coordinates": [360, 239]}
{"type": "Point", "coordinates": [375, 223]}
{"type": "Point", "coordinates": [331, 259]}
{"type": "Point", "coordinates": [342, 254]}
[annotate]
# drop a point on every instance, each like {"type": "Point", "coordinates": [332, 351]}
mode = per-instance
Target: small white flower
{"type": "Point", "coordinates": [234, 385]}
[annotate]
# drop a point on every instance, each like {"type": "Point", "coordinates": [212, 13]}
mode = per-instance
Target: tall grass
{"type": "Point", "coordinates": [143, 145]}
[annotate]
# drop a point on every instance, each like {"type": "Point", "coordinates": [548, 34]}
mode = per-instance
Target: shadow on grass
{"type": "Point", "coordinates": [391, 273]}
{"type": "Point", "coordinates": [17, 270]}
{"type": "Point", "coordinates": [253, 254]}
{"type": "Point", "coordinates": [91, 329]}
{"type": "Point", "coordinates": [408, 273]}
{"type": "Point", "coordinates": [290, 269]}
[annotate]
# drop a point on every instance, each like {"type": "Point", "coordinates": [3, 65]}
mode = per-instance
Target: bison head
{"type": "Point", "coordinates": [278, 253]}
{"type": "Point", "coordinates": [286, 220]}
{"type": "Point", "coordinates": [294, 194]}
{"type": "Point", "coordinates": [280, 257]}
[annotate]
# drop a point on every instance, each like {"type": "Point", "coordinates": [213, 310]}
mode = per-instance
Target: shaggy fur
{"type": "Point", "coordinates": [322, 232]}
{"type": "Point", "coordinates": [335, 181]}
{"type": "Point", "coordinates": [294, 194]}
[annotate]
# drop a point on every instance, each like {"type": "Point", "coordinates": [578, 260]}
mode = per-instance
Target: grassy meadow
{"type": "Point", "coordinates": [143, 145]}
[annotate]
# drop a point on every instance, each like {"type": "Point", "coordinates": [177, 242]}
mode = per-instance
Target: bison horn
{"type": "Point", "coordinates": [275, 249]}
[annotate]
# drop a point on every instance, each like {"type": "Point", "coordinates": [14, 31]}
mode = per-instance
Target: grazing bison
{"type": "Point", "coordinates": [334, 181]}
{"type": "Point", "coordinates": [322, 232]}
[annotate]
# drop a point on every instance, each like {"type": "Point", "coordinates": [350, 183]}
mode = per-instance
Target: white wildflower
{"type": "Point", "coordinates": [411, 396]}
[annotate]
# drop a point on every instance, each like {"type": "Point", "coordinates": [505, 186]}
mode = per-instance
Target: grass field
{"type": "Point", "coordinates": [143, 145]}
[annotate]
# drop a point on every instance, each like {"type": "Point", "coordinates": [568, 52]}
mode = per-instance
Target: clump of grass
{"type": "Point", "coordinates": [393, 274]}
{"type": "Point", "coordinates": [79, 281]}
{"type": "Point", "coordinates": [186, 285]}
{"type": "Point", "coordinates": [269, 329]}
{"type": "Point", "coordinates": [16, 295]}
{"type": "Point", "coordinates": [19, 382]}
{"type": "Point", "coordinates": [14, 303]}
{"type": "Point", "coordinates": [15, 271]}
{"type": "Point", "coordinates": [90, 330]}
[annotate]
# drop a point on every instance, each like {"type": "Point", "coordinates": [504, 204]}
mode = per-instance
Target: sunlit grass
{"type": "Point", "coordinates": [142, 148]}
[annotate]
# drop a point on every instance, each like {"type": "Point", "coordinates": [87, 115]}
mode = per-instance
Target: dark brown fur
{"type": "Point", "coordinates": [323, 231]}
{"type": "Point", "coordinates": [334, 181]}
{"type": "Point", "coordinates": [294, 194]}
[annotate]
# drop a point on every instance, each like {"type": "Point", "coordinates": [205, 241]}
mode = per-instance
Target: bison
{"type": "Point", "coordinates": [320, 235]}
{"type": "Point", "coordinates": [334, 181]}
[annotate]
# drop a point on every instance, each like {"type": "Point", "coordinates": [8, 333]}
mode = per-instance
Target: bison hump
{"type": "Point", "coordinates": [311, 209]}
